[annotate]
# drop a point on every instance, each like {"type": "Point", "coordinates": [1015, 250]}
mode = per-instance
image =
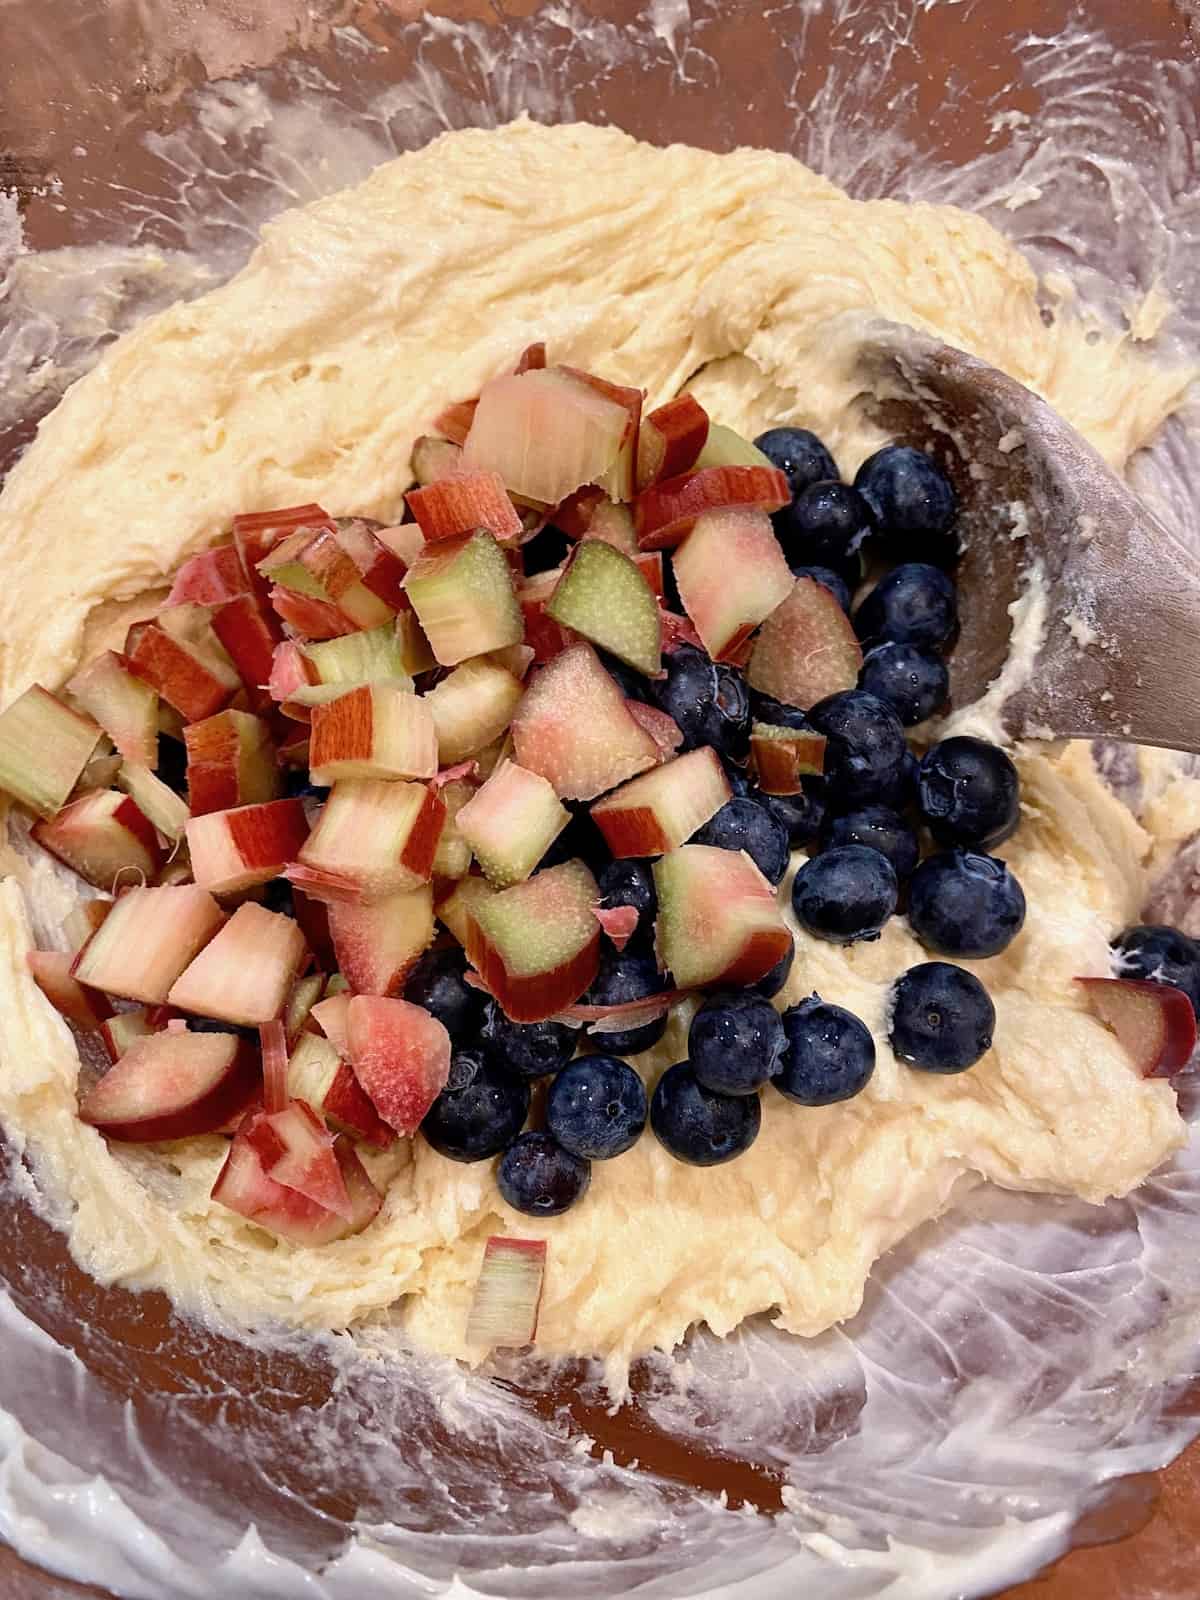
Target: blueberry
{"type": "Point", "coordinates": [913, 682]}
{"type": "Point", "coordinates": [545, 551]}
{"type": "Point", "coordinates": [438, 982]}
{"type": "Point", "coordinates": [597, 1107]}
{"type": "Point", "coordinates": [624, 975]}
{"type": "Point", "coordinates": [913, 604]}
{"type": "Point", "coordinates": [709, 702]}
{"type": "Point", "coordinates": [914, 503]}
{"type": "Point", "coordinates": [630, 882]}
{"type": "Point", "coordinates": [580, 840]}
{"type": "Point", "coordinates": [633, 1040]}
{"type": "Point", "coordinates": [801, 815]}
{"type": "Point", "coordinates": [1160, 955]}
{"type": "Point", "coordinates": [770, 985]}
{"type": "Point", "coordinates": [829, 1055]}
{"type": "Point", "coordinates": [846, 894]}
{"type": "Point", "coordinates": [482, 1117]}
{"type": "Point", "coordinates": [171, 766]}
{"type": "Point", "coordinates": [942, 1018]}
{"type": "Point", "coordinates": [632, 684]}
{"type": "Point", "coordinates": [297, 785]}
{"type": "Point", "coordinates": [865, 750]}
{"type": "Point", "coordinates": [879, 828]}
{"type": "Point", "coordinates": [743, 824]}
{"type": "Point", "coordinates": [527, 1049]}
{"type": "Point", "coordinates": [828, 579]}
{"type": "Point", "coordinates": [465, 1067]}
{"type": "Point", "coordinates": [961, 903]}
{"type": "Point", "coordinates": [765, 708]}
{"type": "Point", "coordinates": [700, 1127]}
{"type": "Point", "coordinates": [969, 793]}
{"type": "Point", "coordinates": [826, 525]}
{"type": "Point", "coordinates": [799, 455]}
{"type": "Point", "coordinates": [214, 1025]}
{"type": "Point", "coordinates": [277, 896]}
{"type": "Point", "coordinates": [735, 1042]}
{"type": "Point", "coordinates": [540, 1178]}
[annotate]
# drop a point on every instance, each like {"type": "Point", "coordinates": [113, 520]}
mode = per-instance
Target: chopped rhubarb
{"type": "Point", "coordinates": [258, 532]}
{"type": "Point", "coordinates": [620, 482]}
{"type": "Point", "coordinates": [508, 1293]}
{"type": "Point", "coordinates": [574, 728]}
{"type": "Point", "coordinates": [782, 757]}
{"type": "Point", "coordinates": [330, 1015]}
{"type": "Point", "coordinates": [665, 513]}
{"type": "Point", "coordinates": [44, 746]}
{"type": "Point", "coordinates": [514, 658]}
{"type": "Point", "coordinates": [379, 730]}
{"type": "Point", "coordinates": [1154, 1022]}
{"type": "Point", "coordinates": [173, 1085]}
{"type": "Point", "coordinates": [454, 911]}
{"type": "Point", "coordinates": [318, 565]}
{"type": "Point", "coordinates": [453, 858]}
{"type": "Point", "coordinates": [435, 459]}
{"type": "Point", "coordinates": [147, 940]}
{"type": "Point", "coordinates": [304, 996]}
{"type": "Point", "coordinates": [604, 597]}
{"type": "Point", "coordinates": [292, 674]}
{"type": "Point", "coordinates": [373, 838]}
{"type": "Point", "coordinates": [725, 448]}
{"type": "Point", "coordinates": [532, 357]}
{"type": "Point", "coordinates": [210, 578]}
{"type": "Point", "coordinates": [545, 637]}
{"type": "Point", "coordinates": [400, 1055]}
{"type": "Point", "coordinates": [245, 974]}
{"type": "Point", "coordinates": [318, 1075]}
{"type": "Point", "coordinates": [245, 1188]}
{"type": "Point", "coordinates": [619, 923]}
{"type": "Point", "coordinates": [719, 920]}
{"type": "Point", "coordinates": [122, 1030]}
{"type": "Point", "coordinates": [499, 751]}
{"type": "Point", "coordinates": [806, 649]}
{"type": "Point", "coordinates": [296, 1150]}
{"type": "Point", "coordinates": [462, 592]}
{"type": "Point", "coordinates": [613, 524]}
{"type": "Point", "coordinates": [157, 803]}
{"type": "Point", "coordinates": [575, 515]}
{"type": "Point", "coordinates": [230, 762]}
{"type": "Point", "coordinates": [537, 945]}
{"type": "Point", "coordinates": [376, 655]}
{"type": "Point", "coordinates": [471, 708]}
{"type": "Point", "coordinates": [662, 728]}
{"type": "Point", "coordinates": [308, 616]}
{"type": "Point", "coordinates": [731, 575]}
{"type": "Point", "coordinates": [379, 569]}
{"type": "Point", "coordinates": [104, 837]}
{"type": "Point", "coordinates": [86, 1008]}
{"type": "Point", "coordinates": [248, 635]}
{"type": "Point", "coordinates": [81, 922]}
{"type": "Point", "coordinates": [670, 440]}
{"type": "Point", "coordinates": [455, 421]}
{"type": "Point", "coordinates": [273, 1044]}
{"type": "Point", "coordinates": [180, 656]}
{"type": "Point", "coordinates": [462, 502]}
{"type": "Point", "coordinates": [415, 655]}
{"type": "Point", "coordinates": [377, 944]}
{"type": "Point", "coordinates": [234, 850]}
{"type": "Point", "coordinates": [511, 822]}
{"type": "Point", "coordinates": [124, 706]}
{"type": "Point", "coordinates": [664, 808]}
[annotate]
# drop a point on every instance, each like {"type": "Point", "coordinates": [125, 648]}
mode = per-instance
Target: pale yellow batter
{"type": "Point", "coordinates": [308, 377]}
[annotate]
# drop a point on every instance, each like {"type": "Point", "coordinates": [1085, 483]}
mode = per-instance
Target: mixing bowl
{"type": "Point", "coordinates": [1012, 1362]}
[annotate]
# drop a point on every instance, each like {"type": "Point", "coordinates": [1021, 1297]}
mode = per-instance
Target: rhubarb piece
{"type": "Point", "coordinates": [471, 708]}
{"type": "Point", "coordinates": [663, 729]}
{"type": "Point", "coordinates": [103, 837]}
{"type": "Point", "coordinates": [296, 1149]}
{"type": "Point", "coordinates": [123, 1029]}
{"type": "Point", "coordinates": [1155, 1023]}
{"type": "Point", "coordinates": [725, 448]}
{"type": "Point", "coordinates": [318, 1075]}
{"type": "Point", "coordinates": [613, 524]}
{"type": "Point", "coordinates": [292, 674]}
{"type": "Point", "coordinates": [573, 727]}
{"type": "Point", "coordinates": [508, 1293]}
{"type": "Point", "coordinates": [304, 996]}
{"type": "Point", "coordinates": [731, 575]}
{"type": "Point", "coordinates": [455, 421]}
{"type": "Point", "coordinates": [159, 804]}
{"type": "Point", "coordinates": [620, 481]}
{"type": "Point", "coordinates": [806, 649]}
{"type": "Point", "coordinates": [124, 706]}
{"type": "Point", "coordinates": [245, 974]}
{"type": "Point", "coordinates": [400, 1055]}
{"type": "Point", "coordinates": [100, 771]}
{"type": "Point", "coordinates": [453, 858]}
{"type": "Point", "coordinates": [414, 654]}
{"type": "Point", "coordinates": [316, 564]}
{"type": "Point", "coordinates": [604, 597]}
{"type": "Point", "coordinates": [462, 502]}
{"type": "Point", "coordinates": [537, 945]}
{"type": "Point", "coordinates": [545, 637]}
{"type": "Point", "coordinates": [147, 940]}
{"type": "Point", "coordinates": [462, 592]}
{"type": "Point", "coordinates": [435, 459]}
{"type": "Point", "coordinates": [86, 1008]}
{"type": "Point", "coordinates": [180, 656]}
{"type": "Point", "coordinates": [307, 616]}
{"type": "Point", "coordinates": [44, 746]}
{"type": "Point", "coordinates": [719, 920]}
{"type": "Point", "coordinates": [619, 923]}
{"type": "Point", "coordinates": [377, 944]}
{"type": "Point", "coordinates": [666, 513]}
{"type": "Point", "coordinates": [454, 911]}
{"type": "Point", "coordinates": [379, 730]}
{"type": "Point", "coordinates": [230, 762]}
{"type": "Point", "coordinates": [514, 658]}
{"type": "Point", "coordinates": [257, 533]}
{"type": "Point", "coordinates": [173, 1085]}
{"type": "Point", "coordinates": [511, 822]}
{"type": "Point", "coordinates": [234, 850]}
{"type": "Point", "coordinates": [376, 655]}
{"type": "Point", "coordinates": [248, 636]}
{"type": "Point", "coordinates": [532, 357]}
{"type": "Point", "coordinates": [244, 1187]}
{"type": "Point", "coordinates": [330, 1014]}
{"type": "Point", "coordinates": [273, 1044]}
{"type": "Point", "coordinates": [664, 808]}
{"type": "Point", "coordinates": [81, 922]}
{"type": "Point", "coordinates": [783, 757]}
{"type": "Point", "coordinates": [379, 568]}
{"type": "Point", "coordinates": [210, 578]}
{"type": "Point", "coordinates": [671, 439]}
{"type": "Point", "coordinates": [373, 838]}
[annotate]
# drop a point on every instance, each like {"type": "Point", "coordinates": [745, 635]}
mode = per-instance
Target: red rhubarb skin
{"type": "Point", "coordinates": [180, 677]}
{"type": "Point", "coordinates": [666, 513]}
{"type": "Point", "coordinates": [230, 1096]}
{"type": "Point", "coordinates": [541, 995]}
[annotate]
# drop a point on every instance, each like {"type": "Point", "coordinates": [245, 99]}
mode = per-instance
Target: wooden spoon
{"type": "Point", "coordinates": [1048, 525]}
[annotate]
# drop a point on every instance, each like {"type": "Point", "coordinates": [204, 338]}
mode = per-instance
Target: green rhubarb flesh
{"type": "Point", "coordinates": [44, 746]}
{"type": "Point", "coordinates": [465, 599]}
{"type": "Point", "coordinates": [725, 448]}
{"type": "Point", "coordinates": [367, 657]}
{"type": "Point", "coordinates": [604, 596]}
{"type": "Point", "coordinates": [536, 926]}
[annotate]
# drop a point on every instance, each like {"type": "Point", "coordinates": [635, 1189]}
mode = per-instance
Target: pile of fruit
{"type": "Point", "coordinates": [390, 823]}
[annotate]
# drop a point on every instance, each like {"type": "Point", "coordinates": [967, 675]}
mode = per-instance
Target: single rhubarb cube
{"type": "Point", "coordinates": [375, 731]}
{"type": "Point", "coordinates": [1154, 1022]}
{"type": "Point", "coordinates": [248, 634]}
{"type": "Point", "coordinates": [330, 1014]}
{"type": "Point", "coordinates": [613, 524]}
{"type": "Point", "coordinates": [378, 567]}
{"type": "Point", "coordinates": [574, 728]}
{"type": "Point", "coordinates": [731, 575]}
{"type": "Point", "coordinates": [256, 533]}
{"type": "Point", "coordinates": [180, 656]}
{"type": "Point", "coordinates": [667, 512]}
{"type": "Point", "coordinates": [317, 1074]}
{"type": "Point", "coordinates": [620, 481]}
{"type": "Point", "coordinates": [454, 909]}
{"type": "Point", "coordinates": [508, 1293]}
{"type": "Point", "coordinates": [511, 822]}
{"type": "Point", "coordinates": [663, 729]}
{"type": "Point", "coordinates": [81, 922]}
{"type": "Point", "coordinates": [719, 920]}
{"type": "Point", "coordinates": [454, 423]}
{"type": "Point", "coordinates": [664, 808]}
{"type": "Point", "coordinates": [147, 940]}
{"type": "Point", "coordinates": [806, 649]}
{"type": "Point", "coordinates": [234, 850]}
{"type": "Point", "coordinates": [314, 564]}
{"type": "Point", "coordinates": [373, 838]}
{"type": "Point", "coordinates": [725, 448]}
{"type": "Point", "coordinates": [462, 502]}
{"type": "Point", "coordinates": [44, 746]}
{"type": "Point", "coordinates": [159, 804]}
{"type": "Point", "coordinates": [377, 944]}
{"type": "Point", "coordinates": [123, 1029]}
{"type": "Point", "coordinates": [86, 1008]}
{"type": "Point", "coordinates": [435, 459]}
{"type": "Point", "coordinates": [292, 674]}
{"type": "Point", "coordinates": [124, 706]}
{"type": "Point", "coordinates": [312, 918]}
{"type": "Point", "coordinates": [307, 616]}
{"type": "Point", "coordinates": [604, 597]}
{"type": "Point", "coordinates": [244, 1187]}
{"type": "Point", "coordinates": [472, 707]}
{"type": "Point", "coordinates": [174, 1085]}
{"type": "Point", "coordinates": [210, 578]}
{"type": "Point", "coordinates": [783, 757]}
{"type": "Point", "coordinates": [104, 837]}
{"type": "Point", "coordinates": [296, 1149]}
{"type": "Point", "coordinates": [400, 1055]}
{"type": "Point", "coordinates": [462, 592]}
{"type": "Point", "coordinates": [230, 762]}
{"type": "Point", "coordinates": [245, 974]}
{"type": "Point", "coordinates": [537, 945]}
{"type": "Point", "coordinates": [670, 440]}
{"type": "Point", "coordinates": [376, 655]}
{"type": "Point", "coordinates": [453, 858]}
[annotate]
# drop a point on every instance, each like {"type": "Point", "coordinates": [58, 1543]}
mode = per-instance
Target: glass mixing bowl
{"type": "Point", "coordinates": [1012, 1362]}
